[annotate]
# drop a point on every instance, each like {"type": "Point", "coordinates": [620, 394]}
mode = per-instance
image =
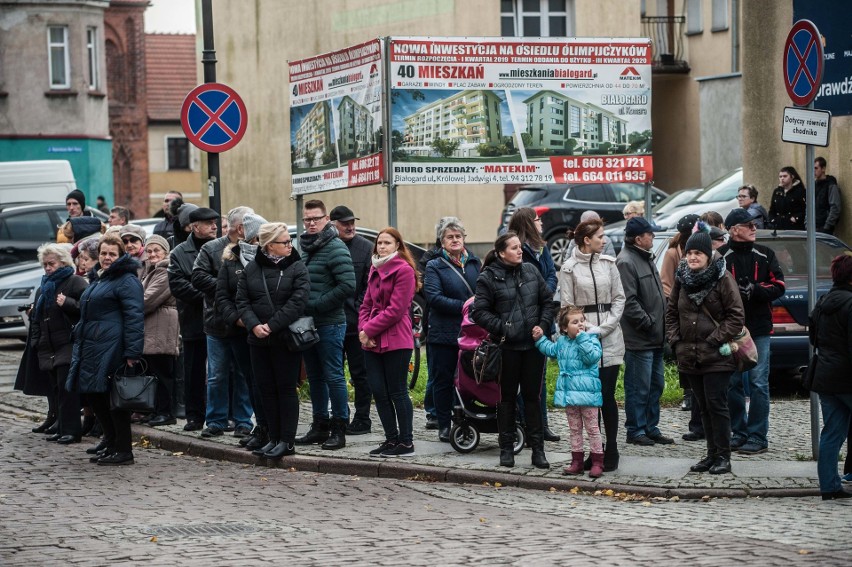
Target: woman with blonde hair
{"type": "Point", "coordinates": [272, 293]}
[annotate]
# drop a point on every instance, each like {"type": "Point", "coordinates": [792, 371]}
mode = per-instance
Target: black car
{"type": "Point", "coordinates": [560, 206]}
{"type": "Point", "coordinates": [789, 340]}
{"type": "Point", "coordinates": [26, 226]}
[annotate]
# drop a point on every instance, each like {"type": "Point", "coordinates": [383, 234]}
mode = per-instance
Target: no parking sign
{"type": "Point", "coordinates": [213, 117]}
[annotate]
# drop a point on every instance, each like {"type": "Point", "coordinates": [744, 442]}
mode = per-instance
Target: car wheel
{"type": "Point", "coordinates": [418, 323]}
{"type": "Point", "coordinates": [558, 246]}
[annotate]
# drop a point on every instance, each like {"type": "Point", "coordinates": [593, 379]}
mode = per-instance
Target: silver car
{"type": "Point", "coordinates": [18, 284]}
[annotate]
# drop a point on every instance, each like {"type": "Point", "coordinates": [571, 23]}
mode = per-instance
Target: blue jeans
{"type": "Point", "coordinates": [324, 365]}
{"type": "Point", "coordinates": [644, 382]}
{"type": "Point", "coordinates": [444, 361]}
{"type": "Point", "coordinates": [754, 426]}
{"type": "Point", "coordinates": [225, 355]}
{"type": "Point", "coordinates": [836, 414]}
{"type": "Point", "coordinates": [387, 374]}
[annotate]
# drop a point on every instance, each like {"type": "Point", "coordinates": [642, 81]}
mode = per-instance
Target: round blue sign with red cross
{"type": "Point", "coordinates": [803, 62]}
{"type": "Point", "coordinates": [213, 117]}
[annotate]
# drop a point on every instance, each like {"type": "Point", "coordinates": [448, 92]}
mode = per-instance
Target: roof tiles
{"type": "Point", "coordinates": [171, 73]}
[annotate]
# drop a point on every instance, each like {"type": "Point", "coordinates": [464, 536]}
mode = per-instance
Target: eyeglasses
{"type": "Point", "coordinates": [130, 240]}
{"type": "Point", "coordinates": [284, 242]}
{"type": "Point", "coordinates": [312, 220]}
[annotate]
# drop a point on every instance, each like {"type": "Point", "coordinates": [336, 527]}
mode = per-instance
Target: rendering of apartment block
{"type": "Point", "coordinates": [470, 117]}
{"type": "Point", "coordinates": [356, 134]}
{"type": "Point", "coordinates": [553, 119]}
{"type": "Point", "coordinates": [314, 134]}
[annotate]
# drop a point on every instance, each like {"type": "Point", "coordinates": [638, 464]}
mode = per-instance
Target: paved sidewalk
{"type": "Point", "coordinates": [785, 470]}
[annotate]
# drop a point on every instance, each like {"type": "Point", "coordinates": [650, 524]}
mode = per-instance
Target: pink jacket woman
{"type": "Point", "coordinates": [385, 312]}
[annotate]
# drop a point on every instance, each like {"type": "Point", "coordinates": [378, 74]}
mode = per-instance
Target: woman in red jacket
{"type": "Point", "coordinates": [384, 326]}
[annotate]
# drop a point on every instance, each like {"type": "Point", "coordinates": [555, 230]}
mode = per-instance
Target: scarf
{"type": "Point", "coordinates": [378, 262]}
{"type": "Point", "coordinates": [699, 284]}
{"type": "Point", "coordinates": [460, 261]}
{"type": "Point", "coordinates": [48, 288]}
{"type": "Point", "coordinates": [247, 253]}
{"type": "Point", "coordinates": [273, 258]}
{"type": "Point", "coordinates": [312, 242]}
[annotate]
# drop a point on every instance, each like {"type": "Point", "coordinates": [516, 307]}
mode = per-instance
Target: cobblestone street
{"type": "Point", "coordinates": [58, 509]}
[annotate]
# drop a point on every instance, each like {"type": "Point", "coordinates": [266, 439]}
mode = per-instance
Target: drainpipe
{"type": "Point", "coordinates": [735, 36]}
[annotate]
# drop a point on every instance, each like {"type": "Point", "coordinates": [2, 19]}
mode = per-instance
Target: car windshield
{"type": "Point", "coordinates": [723, 189]}
{"type": "Point", "coordinates": [676, 200]}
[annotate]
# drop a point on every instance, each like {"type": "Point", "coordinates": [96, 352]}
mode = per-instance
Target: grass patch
{"type": "Point", "coordinates": [672, 394]}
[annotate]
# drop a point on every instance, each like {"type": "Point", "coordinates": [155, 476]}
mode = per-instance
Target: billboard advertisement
{"type": "Point", "coordinates": [336, 118]}
{"type": "Point", "coordinates": [520, 110]}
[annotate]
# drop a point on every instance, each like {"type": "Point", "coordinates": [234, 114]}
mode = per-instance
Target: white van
{"type": "Point", "coordinates": [43, 181]}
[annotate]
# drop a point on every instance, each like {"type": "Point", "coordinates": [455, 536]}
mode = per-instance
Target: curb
{"type": "Point", "coordinates": [401, 471]}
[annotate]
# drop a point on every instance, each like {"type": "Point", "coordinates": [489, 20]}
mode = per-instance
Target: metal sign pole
{"type": "Point", "coordinates": [208, 59]}
{"type": "Point", "coordinates": [387, 142]}
{"type": "Point", "coordinates": [649, 214]}
{"type": "Point", "coordinates": [300, 226]}
{"type": "Point", "coordinates": [810, 222]}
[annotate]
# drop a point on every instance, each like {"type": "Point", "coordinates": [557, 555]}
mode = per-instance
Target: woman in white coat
{"type": "Point", "coordinates": [590, 279]}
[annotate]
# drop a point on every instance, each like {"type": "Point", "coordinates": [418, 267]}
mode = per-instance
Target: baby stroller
{"type": "Point", "coordinates": [475, 410]}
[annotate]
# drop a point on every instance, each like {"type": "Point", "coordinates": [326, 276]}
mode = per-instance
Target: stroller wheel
{"type": "Point", "coordinates": [464, 438]}
{"type": "Point", "coordinates": [520, 438]}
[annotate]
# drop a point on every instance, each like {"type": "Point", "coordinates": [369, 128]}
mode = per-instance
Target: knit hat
{"type": "Point", "coordinates": [699, 241]}
{"type": "Point", "coordinates": [84, 226]}
{"type": "Point", "coordinates": [637, 226]}
{"type": "Point", "coordinates": [183, 213]}
{"type": "Point", "coordinates": [251, 225]}
{"type": "Point", "coordinates": [738, 216]}
{"type": "Point", "coordinates": [78, 196]}
{"type": "Point", "coordinates": [270, 231]}
{"type": "Point", "coordinates": [687, 223]}
{"type": "Point", "coordinates": [157, 239]}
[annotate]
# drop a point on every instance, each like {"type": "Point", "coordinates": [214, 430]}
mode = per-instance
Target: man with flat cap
{"type": "Point", "coordinates": [643, 327]}
{"type": "Point", "coordinates": [761, 281]}
{"type": "Point", "coordinates": [190, 304]}
{"type": "Point", "coordinates": [360, 249]}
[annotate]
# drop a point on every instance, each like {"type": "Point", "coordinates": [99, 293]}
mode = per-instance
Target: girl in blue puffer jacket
{"type": "Point", "coordinates": [578, 387]}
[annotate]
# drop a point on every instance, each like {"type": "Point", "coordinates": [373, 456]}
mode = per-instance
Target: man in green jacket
{"type": "Point", "coordinates": [332, 281]}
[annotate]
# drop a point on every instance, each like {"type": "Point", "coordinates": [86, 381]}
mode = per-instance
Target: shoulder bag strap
{"type": "Point", "coordinates": [266, 289]}
{"type": "Point", "coordinates": [704, 307]}
{"type": "Point", "coordinates": [459, 274]}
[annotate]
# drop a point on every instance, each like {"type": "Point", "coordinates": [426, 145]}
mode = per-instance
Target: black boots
{"type": "Point", "coordinates": [46, 424]}
{"type": "Point", "coordinates": [535, 436]}
{"type": "Point", "coordinates": [317, 434]}
{"type": "Point", "coordinates": [337, 438]}
{"type": "Point", "coordinates": [265, 449]}
{"type": "Point", "coordinates": [281, 449]}
{"type": "Point", "coordinates": [506, 438]}
{"type": "Point", "coordinates": [258, 438]}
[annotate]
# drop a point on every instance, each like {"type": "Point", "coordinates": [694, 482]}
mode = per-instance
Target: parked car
{"type": "Point", "coordinates": [26, 226]}
{"type": "Point", "coordinates": [18, 283]}
{"type": "Point", "coordinates": [615, 231]}
{"type": "Point", "coordinates": [560, 207]}
{"type": "Point", "coordinates": [789, 340]}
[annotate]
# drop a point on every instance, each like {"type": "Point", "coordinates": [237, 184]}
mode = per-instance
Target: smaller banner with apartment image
{"type": "Point", "coordinates": [336, 119]}
{"type": "Point", "coordinates": [520, 110]}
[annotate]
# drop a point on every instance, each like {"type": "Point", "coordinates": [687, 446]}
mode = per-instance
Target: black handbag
{"type": "Point", "coordinates": [488, 361]}
{"type": "Point", "coordinates": [302, 334]}
{"type": "Point", "coordinates": [133, 392]}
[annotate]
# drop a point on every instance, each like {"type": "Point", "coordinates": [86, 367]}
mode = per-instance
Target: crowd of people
{"type": "Point", "coordinates": [222, 307]}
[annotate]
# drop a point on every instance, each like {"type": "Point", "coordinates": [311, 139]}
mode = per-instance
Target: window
{"type": "Point", "coordinates": [34, 227]}
{"type": "Point", "coordinates": [574, 121]}
{"type": "Point", "coordinates": [178, 149]}
{"type": "Point", "coordinates": [57, 48]}
{"type": "Point", "coordinates": [534, 18]}
{"type": "Point", "coordinates": [693, 17]}
{"type": "Point", "coordinates": [92, 56]}
{"type": "Point", "coordinates": [720, 15]}
{"type": "Point", "coordinates": [591, 193]}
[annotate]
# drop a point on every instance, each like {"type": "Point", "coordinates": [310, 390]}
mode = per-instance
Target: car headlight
{"type": "Point", "coordinates": [18, 293]}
